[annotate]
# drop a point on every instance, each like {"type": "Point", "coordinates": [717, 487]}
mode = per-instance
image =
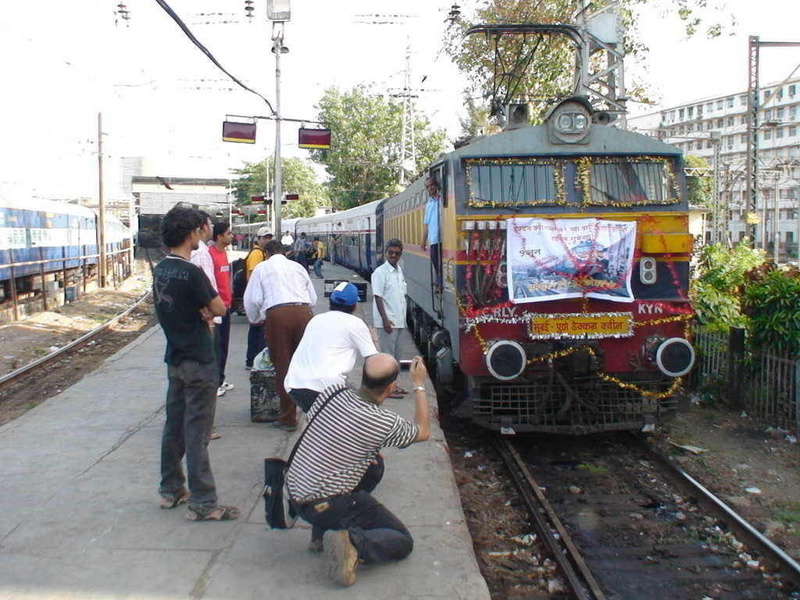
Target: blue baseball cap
{"type": "Point", "coordinates": [345, 293]}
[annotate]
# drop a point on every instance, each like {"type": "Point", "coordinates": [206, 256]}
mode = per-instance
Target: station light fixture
{"type": "Point", "coordinates": [279, 10]}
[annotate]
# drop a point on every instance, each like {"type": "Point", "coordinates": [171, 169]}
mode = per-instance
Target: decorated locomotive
{"type": "Point", "coordinates": [562, 302]}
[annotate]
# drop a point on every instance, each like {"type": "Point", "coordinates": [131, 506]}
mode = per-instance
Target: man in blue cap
{"type": "Point", "coordinates": [329, 348]}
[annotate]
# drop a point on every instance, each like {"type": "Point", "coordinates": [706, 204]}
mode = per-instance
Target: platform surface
{"type": "Point", "coordinates": [80, 517]}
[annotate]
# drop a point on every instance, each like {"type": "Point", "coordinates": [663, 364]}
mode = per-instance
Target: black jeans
{"type": "Point", "coordinates": [434, 252]}
{"type": "Point", "coordinates": [191, 404]}
{"type": "Point", "coordinates": [304, 398]}
{"type": "Point", "coordinates": [377, 534]}
{"type": "Point", "coordinates": [255, 343]}
{"type": "Point", "coordinates": [222, 339]}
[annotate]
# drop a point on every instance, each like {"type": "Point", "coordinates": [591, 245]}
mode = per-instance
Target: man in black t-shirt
{"type": "Point", "coordinates": [185, 303]}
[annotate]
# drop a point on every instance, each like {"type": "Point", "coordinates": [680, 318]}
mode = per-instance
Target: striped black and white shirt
{"type": "Point", "coordinates": [340, 442]}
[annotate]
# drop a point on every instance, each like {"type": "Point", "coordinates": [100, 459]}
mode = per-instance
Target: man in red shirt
{"type": "Point", "coordinates": [222, 274]}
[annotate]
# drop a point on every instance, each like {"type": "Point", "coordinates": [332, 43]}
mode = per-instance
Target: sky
{"type": "Point", "coordinates": [163, 99]}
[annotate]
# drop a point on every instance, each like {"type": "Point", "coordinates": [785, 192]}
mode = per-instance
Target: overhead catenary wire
{"type": "Point", "coordinates": [168, 9]}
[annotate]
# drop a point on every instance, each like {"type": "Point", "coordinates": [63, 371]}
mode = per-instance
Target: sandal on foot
{"type": "Point", "coordinates": [218, 513]}
{"type": "Point", "coordinates": [172, 500]}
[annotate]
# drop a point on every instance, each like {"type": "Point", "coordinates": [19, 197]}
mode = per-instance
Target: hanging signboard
{"type": "Point", "coordinates": [244, 133]}
{"type": "Point", "coordinates": [552, 259]}
{"type": "Point", "coordinates": [315, 139]}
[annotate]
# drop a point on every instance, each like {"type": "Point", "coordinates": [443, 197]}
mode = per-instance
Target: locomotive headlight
{"type": "Point", "coordinates": [506, 360]}
{"type": "Point", "coordinates": [674, 357]}
{"type": "Point", "coordinates": [570, 122]}
{"type": "Point", "coordinates": [648, 272]}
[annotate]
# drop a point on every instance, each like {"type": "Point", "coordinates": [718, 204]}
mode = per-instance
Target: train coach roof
{"type": "Point", "coordinates": [47, 206]}
{"type": "Point", "coordinates": [603, 140]}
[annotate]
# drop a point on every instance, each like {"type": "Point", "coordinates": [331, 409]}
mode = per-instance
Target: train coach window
{"type": "Point", "coordinates": [515, 182]}
{"type": "Point", "coordinates": [623, 181]}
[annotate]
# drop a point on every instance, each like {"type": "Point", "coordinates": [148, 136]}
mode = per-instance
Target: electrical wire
{"type": "Point", "coordinates": [168, 9]}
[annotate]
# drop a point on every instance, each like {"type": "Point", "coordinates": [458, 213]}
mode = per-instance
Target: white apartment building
{"type": "Point", "coordinates": [694, 125]}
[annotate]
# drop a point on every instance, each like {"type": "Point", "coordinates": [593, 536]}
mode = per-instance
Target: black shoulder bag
{"type": "Point", "coordinates": [278, 511]}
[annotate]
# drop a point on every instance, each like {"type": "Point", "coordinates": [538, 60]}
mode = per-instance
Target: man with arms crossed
{"type": "Point", "coordinates": [185, 304]}
{"type": "Point", "coordinates": [222, 237]}
{"type": "Point", "coordinates": [389, 303]}
{"type": "Point", "coordinates": [337, 465]}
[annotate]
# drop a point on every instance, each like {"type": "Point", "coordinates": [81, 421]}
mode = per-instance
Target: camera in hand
{"type": "Point", "coordinates": [405, 364]}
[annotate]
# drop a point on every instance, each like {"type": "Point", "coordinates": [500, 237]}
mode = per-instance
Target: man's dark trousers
{"type": "Point", "coordinates": [255, 343]}
{"type": "Point", "coordinates": [222, 340]}
{"type": "Point", "coordinates": [376, 533]}
{"type": "Point", "coordinates": [191, 404]}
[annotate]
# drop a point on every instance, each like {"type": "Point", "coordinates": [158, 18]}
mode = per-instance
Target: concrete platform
{"type": "Point", "coordinates": [80, 516]}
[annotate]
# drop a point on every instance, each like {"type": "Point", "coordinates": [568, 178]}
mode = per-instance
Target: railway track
{"type": "Point", "coordinates": [623, 522]}
{"type": "Point", "coordinates": [16, 375]}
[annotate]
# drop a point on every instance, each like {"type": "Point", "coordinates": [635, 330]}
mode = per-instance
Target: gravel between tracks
{"type": "Point", "coordinates": [739, 455]}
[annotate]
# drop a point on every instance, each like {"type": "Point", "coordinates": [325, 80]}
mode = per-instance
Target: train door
{"type": "Point", "coordinates": [368, 246]}
{"type": "Point", "coordinates": [437, 270]}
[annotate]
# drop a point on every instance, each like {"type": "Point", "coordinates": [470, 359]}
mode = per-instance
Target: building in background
{"type": "Point", "coordinates": [698, 125]}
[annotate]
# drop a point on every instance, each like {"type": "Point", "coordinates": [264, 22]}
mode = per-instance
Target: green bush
{"type": "Point", "coordinates": [771, 302]}
{"type": "Point", "coordinates": [716, 292]}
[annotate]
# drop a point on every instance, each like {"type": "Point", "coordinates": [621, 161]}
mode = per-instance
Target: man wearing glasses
{"type": "Point", "coordinates": [389, 306]}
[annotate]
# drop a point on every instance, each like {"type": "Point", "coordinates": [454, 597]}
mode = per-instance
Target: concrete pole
{"type": "Point", "coordinates": [101, 225]}
{"type": "Point", "coordinates": [277, 48]}
{"type": "Point", "coordinates": [775, 219]}
{"type": "Point", "coordinates": [717, 204]}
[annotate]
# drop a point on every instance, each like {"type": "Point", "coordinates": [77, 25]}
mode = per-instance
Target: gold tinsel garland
{"type": "Point", "coordinates": [573, 349]}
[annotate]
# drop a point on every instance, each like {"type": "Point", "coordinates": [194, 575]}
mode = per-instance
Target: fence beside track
{"type": "Point", "coordinates": [119, 266]}
{"type": "Point", "coordinates": [763, 383]}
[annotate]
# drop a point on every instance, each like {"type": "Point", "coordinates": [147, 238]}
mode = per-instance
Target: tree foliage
{"type": "Point", "coordinates": [364, 159]}
{"type": "Point", "coordinates": [548, 75]}
{"type": "Point", "coordinates": [771, 302]}
{"type": "Point", "coordinates": [699, 182]}
{"type": "Point", "coordinates": [298, 177]}
{"type": "Point", "coordinates": [716, 292]}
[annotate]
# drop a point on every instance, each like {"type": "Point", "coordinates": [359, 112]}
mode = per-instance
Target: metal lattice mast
{"type": "Point", "coordinates": [601, 69]}
{"type": "Point", "coordinates": [408, 148]}
{"type": "Point", "coordinates": [752, 138]}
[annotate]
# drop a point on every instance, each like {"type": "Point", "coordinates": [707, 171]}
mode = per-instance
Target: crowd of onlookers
{"type": "Point", "coordinates": [336, 462]}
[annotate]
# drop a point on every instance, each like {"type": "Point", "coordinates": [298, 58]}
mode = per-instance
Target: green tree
{"type": "Point", "coordinates": [298, 178]}
{"type": "Point", "coordinates": [699, 180]}
{"type": "Point", "coordinates": [771, 304]}
{"type": "Point", "coordinates": [364, 159]}
{"type": "Point", "coordinates": [717, 290]}
{"type": "Point", "coordinates": [539, 69]}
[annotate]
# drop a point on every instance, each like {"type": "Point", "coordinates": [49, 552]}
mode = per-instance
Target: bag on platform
{"type": "Point", "coordinates": [279, 511]}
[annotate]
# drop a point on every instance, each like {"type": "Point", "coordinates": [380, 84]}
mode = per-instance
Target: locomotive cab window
{"type": "Point", "coordinates": [624, 181]}
{"type": "Point", "coordinates": [515, 182]}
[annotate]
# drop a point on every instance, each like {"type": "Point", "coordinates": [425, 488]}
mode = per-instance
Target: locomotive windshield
{"type": "Point", "coordinates": [591, 180]}
{"type": "Point", "coordinates": [627, 181]}
{"type": "Point", "coordinates": [515, 182]}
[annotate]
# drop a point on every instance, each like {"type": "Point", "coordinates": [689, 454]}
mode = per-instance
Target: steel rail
{"type": "Point", "coordinates": [744, 531]}
{"type": "Point", "coordinates": [565, 553]}
{"type": "Point", "coordinates": [10, 377]}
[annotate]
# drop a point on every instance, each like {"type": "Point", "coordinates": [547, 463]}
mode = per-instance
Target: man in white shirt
{"type": "Point", "coordinates": [389, 307]}
{"type": "Point", "coordinates": [287, 240]}
{"type": "Point", "coordinates": [202, 257]}
{"type": "Point", "coordinates": [280, 295]}
{"type": "Point", "coordinates": [329, 348]}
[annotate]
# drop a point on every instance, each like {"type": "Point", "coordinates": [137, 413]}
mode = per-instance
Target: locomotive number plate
{"type": "Point", "coordinates": [581, 326]}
